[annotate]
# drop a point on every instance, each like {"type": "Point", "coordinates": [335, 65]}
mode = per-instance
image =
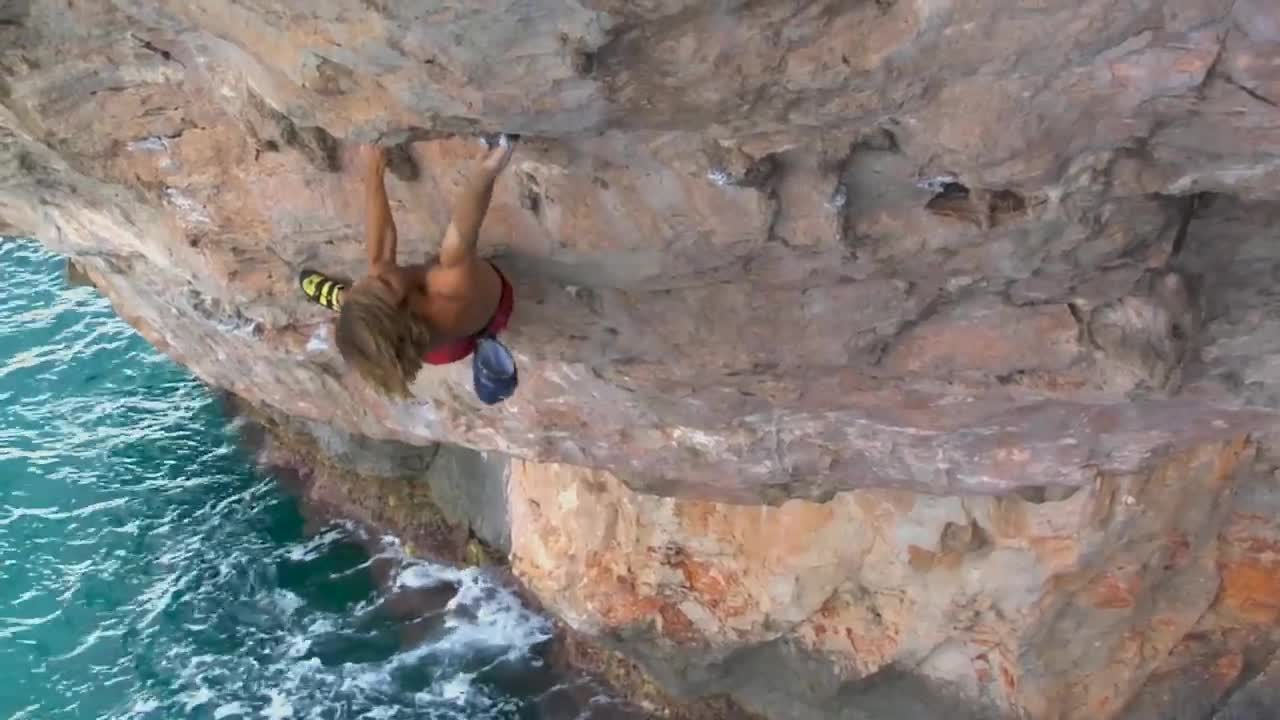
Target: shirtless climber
{"type": "Point", "coordinates": [440, 311]}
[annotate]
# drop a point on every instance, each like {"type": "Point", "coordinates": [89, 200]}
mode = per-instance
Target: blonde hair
{"type": "Point", "coordinates": [383, 342]}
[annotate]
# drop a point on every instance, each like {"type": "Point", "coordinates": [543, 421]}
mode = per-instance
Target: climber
{"type": "Point", "coordinates": [441, 311]}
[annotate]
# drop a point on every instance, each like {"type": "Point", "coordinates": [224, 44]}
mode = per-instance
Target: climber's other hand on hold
{"type": "Point", "coordinates": [499, 155]}
{"type": "Point", "coordinates": [449, 307]}
{"type": "Point", "coordinates": [374, 159]}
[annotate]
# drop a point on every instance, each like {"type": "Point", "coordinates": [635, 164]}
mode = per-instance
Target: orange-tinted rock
{"type": "Point", "coordinates": [866, 583]}
{"type": "Point", "coordinates": [1251, 589]}
{"type": "Point", "coordinates": [1114, 590]}
{"type": "Point", "coordinates": [995, 339]}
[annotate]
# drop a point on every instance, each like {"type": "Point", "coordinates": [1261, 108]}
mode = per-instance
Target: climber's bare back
{"type": "Point", "coordinates": [457, 292]}
{"type": "Point", "coordinates": [455, 301]}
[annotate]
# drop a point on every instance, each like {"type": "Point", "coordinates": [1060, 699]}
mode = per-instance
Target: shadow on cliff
{"type": "Point", "coordinates": [1237, 267]}
{"type": "Point", "coordinates": [773, 677]}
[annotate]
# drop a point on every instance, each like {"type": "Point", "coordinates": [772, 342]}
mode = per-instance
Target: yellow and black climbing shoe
{"type": "Point", "coordinates": [321, 289]}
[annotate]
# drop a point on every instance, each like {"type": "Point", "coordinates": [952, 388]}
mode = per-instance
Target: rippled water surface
{"type": "Point", "coordinates": [148, 570]}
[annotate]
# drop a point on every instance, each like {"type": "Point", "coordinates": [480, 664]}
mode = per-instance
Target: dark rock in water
{"type": "Point", "coordinates": [76, 275]}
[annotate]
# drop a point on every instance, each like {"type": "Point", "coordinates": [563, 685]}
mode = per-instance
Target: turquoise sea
{"type": "Point", "coordinates": [148, 568]}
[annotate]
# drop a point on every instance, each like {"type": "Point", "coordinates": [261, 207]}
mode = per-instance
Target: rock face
{"type": "Point", "coordinates": [884, 603]}
{"type": "Point", "coordinates": [852, 325]}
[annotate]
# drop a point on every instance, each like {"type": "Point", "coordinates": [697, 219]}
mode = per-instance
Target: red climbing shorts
{"type": "Point", "coordinates": [456, 350]}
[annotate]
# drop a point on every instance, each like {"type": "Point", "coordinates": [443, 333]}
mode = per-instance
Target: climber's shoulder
{"type": "Point", "coordinates": [469, 272]}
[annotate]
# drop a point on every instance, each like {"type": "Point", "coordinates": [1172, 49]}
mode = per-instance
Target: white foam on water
{"type": "Point", "coordinates": [29, 594]}
{"type": "Point", "coordinates": [321, 626]}
{"type": "Point", "coordinates": [424, 576]}
{"type": "Point", "coordinates": [315, 546]}
{"type": "Point", "coordinates": [196, 698]}
{"type": "Point", "coordinates": [158, 597]}
{"type": "Point", "coordinates": [482, 614]}
{"type": "Point", "coordinates": [457, 687]}
{"type": "Point", "coordinates": [297, 646]}
{"type": "Point", "coordinates": [287, 603]}
{"type": "Point", "coordinates": [231, 709]}
{"type": "Point", "coordinates": [89, 641]}
{"type": "Point", "coordinates": [129, 528]}
{"type": "Point", "coordinates": [279, 709]}
{"type": "Point", "coordinates": [18, 625]}
{"type": "Point", "coordinates": [143, 706]}
{"type": "Point", "coordinates": [371, 681]}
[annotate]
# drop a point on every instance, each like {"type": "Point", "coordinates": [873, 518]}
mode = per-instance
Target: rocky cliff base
{"type": "Point", "coordinates": [449, 505]}
{"type": "Point", "coordinates": [1142, 596]}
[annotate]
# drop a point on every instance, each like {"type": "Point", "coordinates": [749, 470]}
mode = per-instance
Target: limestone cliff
{"type": "Point", "coordinates": [869, 350]}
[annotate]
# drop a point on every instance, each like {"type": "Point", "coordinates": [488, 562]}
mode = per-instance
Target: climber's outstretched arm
{"type": "Point", "coordinates": [459, 244]}
{"type": "Point", "coordinates": [379, 226]}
